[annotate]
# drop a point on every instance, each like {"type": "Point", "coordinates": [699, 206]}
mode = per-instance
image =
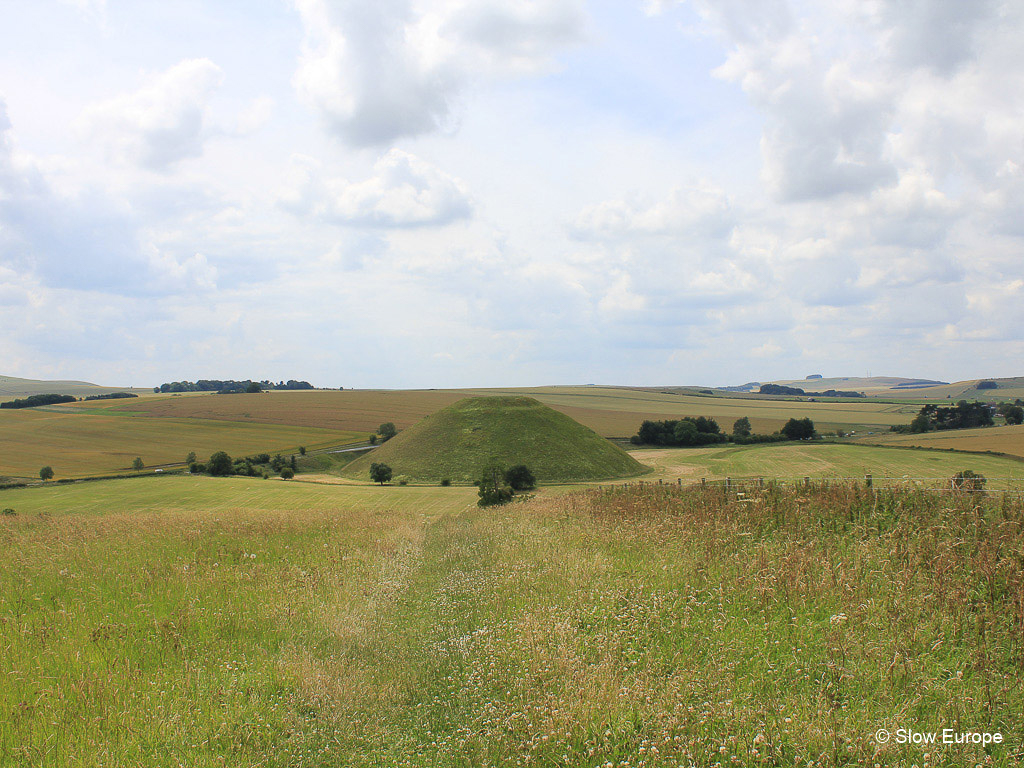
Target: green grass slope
{"type": "Point", "coordinates": [458, 441]}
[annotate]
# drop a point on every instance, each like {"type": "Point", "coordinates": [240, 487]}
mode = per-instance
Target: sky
{"type": "Point", "coordinates": [457, 193]}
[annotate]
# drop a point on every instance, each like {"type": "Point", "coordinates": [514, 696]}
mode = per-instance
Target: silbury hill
{"type": "Point", "coordinates": [457, 442]}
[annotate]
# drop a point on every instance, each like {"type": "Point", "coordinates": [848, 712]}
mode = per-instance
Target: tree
{"type": "Point", "coordinates": [191, 458]}
{"type": "Point", "coordinates": [741, 427]}
{"type": "Point", "coordinates": [292, 464]}
{"type": "Point", "coordinates": [373, 439]}
{"type": "Point", "coordinates": [46, 473]}
{"type": "Point", "coordinates": [220, 464]}
{"type": "Point", "coordinates": [253, 387]}
{"type": "Point", "coordinates": [520, 478]}
{"type": "Point", "coordinates": [380, 473]}
{"type": "Point", "coordinates": [686, 433]}
{"type": "Point", "coordinates": [1014, 415]}
{"type": "Point", "coordinates": [798, 429]}
{"type": "Point", "coordinates": [302, 450]}
{"type": "Point", "coordinates": [137, 465]}
{"type": "Point", "coordinates": [386, 431]}
{"type": "Point", "coordinates": [287, 473]}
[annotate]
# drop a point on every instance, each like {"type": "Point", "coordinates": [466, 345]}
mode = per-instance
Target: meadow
{"type": "Point", "coordinates": [236, 622]}
{"type": "Point", "coordinates": [795, 461]}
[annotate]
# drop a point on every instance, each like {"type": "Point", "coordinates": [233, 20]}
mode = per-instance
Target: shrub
{"type": "Point", "coordinates": [402, 479]}
{"type": "Point", "coordinates": [967, 480]}
{"type": "Point", "coordinates": [520, 478]}
{"type": "Point", "coordinates": [9, 511]}
{"type": "Point", "coordinates": [491, 495]}
{"type": "Point", "coordinates": [287, 473]}
{"type": "Point", "coordinates": [446, 482]}
{"type": "Point", "coordinates": [196, 468]}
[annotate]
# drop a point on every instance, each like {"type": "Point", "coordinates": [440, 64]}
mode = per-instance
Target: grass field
{"type": "Point", "coordinates": [77, 444]}
{"type": "Point", "coordinates": [1005, 439]}
{"type": "Point", "coordinates": [798, 460]}
{"type": "Point", "coordinates": [205, 622]}
{"type": "Point", "coordinates": [609, 411]}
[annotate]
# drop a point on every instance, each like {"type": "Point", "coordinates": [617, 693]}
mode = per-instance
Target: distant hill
{"type": "Point", "coordinates": [12, 387]}
{"type": "Point", "coordinates": [457, 442]}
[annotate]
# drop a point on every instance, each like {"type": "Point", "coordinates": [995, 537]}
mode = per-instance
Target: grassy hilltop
{"type": "Point", "coordinates": [458, 441]}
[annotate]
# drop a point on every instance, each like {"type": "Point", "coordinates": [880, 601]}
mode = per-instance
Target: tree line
{"type": "Point", "coordinates": [703, 430]}
{"type": "Point", "coordinates": [227, 386]}
{"type": "Point", "coordinates": [963, 415]}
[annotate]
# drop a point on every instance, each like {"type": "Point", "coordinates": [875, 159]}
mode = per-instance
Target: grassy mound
{"type": "Point", "coordinates": [458, 441]}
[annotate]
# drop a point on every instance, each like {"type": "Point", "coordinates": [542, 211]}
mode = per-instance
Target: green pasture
{"type": "Point", "coordinates": [823, 460]}
{"type": "Point", "coordinates": [187, 621]}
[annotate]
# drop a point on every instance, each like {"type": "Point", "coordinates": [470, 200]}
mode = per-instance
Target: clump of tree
{"type": "Point", "coordinates": [798, 429]}
{"type": "Point", "coordinates": [837, 393]}
{"type": "Point", "coordinates": [1013, 413]}
{"type": "Point", "coordinates": [380, 473]}
{"type": "Point", "coordinates": [741, 427]}
{"type": "Point", "coordinates": [689, 430]}
{"type": "Point", "coordinates": [987, 384]}
{"type": "Point", "coordinates": [111, 396]}
{"type": "Point", "coordinates": [228, 386]}
{"type": "Point", "coordinates": [779, 389]}
{"type": "Point", "coordinates": [498, 485]}
{"type": "Point", "coordinates": [33, 401]}
{"type": "Point", "coordinates": [492, 487]}
{"type": "Point", "coordinates": [963, 415]}
{"type": "Point", "coordinates": [386, 431]}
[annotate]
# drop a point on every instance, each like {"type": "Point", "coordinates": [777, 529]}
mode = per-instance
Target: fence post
{"type": "Point", "coordinates": [703, 482]}
{"type": "Point", "coordinates": [728, 484]}
{"type": "Point", "coordinates": [867, 481]}
{"type": "Point", "coordinates": [760, 483]}
{"type": "Point", "coordinates": [679, 482]}
{"type": "Point", "coordinates": [807, 482]}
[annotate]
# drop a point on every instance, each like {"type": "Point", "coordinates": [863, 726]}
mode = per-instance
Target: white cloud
{"type": "Point", "coordinates": [161, 123]}
{"type": "Point", "coordinates": [699, 210]}
{"type": "Point", "coordinates": [379, 71]}
{"type": "Point", "coordinates": [404, 191]}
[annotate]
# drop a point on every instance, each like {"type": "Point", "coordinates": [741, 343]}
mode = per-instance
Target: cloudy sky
{"type": "Point", "coordinates": [431, 193]}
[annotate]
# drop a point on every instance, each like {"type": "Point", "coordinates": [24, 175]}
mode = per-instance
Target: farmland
{"type": "Point", "coordinates": [85, 443]}
{"type": "Point", "coordinates": [1005, 439]}
{"type": "Point", "coordinates": [211, 622]}
{"type": "Point", "coordinates": [609, 411]}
